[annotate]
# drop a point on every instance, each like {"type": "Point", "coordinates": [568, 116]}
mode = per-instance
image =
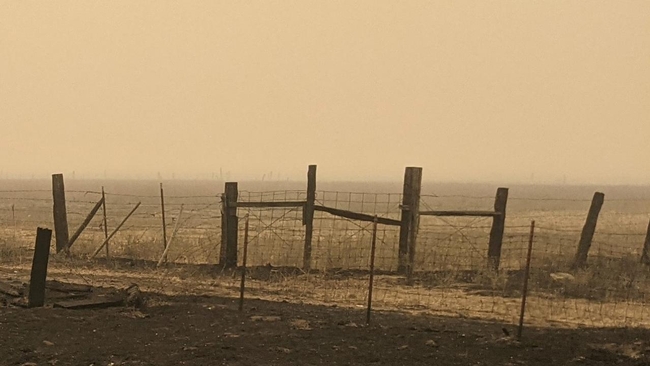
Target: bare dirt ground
{"type": "Point", "coordinates": [180, 326]}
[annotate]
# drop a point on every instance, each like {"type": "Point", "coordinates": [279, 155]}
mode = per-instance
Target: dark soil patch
{"type": "Point", "coordinates": [196, 330]}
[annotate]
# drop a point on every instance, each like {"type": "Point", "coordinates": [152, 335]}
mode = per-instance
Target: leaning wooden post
{"type": "Point", "coordinates": [498, 227]}
{"type": "Point", "coordinates": [645, 255]}
{"type": "Point", "coordinates": [308, 216]}
{"type": "Point", "coordinates": [410, 220]}
{"type": "Point", "coordinates": [38, 276]}
{"type": "Point", "coordinates": [60, 213]}
{"type": "Point", "coordinates": [84, 224]}
{"type": "Point", "coordinates": [588, 231]}
{"type": "Point", "coordinates": [105, 242]}
{"type": "Point", "coordinates": [229, 222]}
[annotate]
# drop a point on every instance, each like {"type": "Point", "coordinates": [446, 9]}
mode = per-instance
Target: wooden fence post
{"type": "Point", "coordinates": [229, 226]}
{"type": "Point", "coordinates": [645, 255]}
{"type": "Point", "coordinates": [498, 227]}
{"type": "Point", "coordinates": [588, 231]}
{"type": "Point", "coordinates": [38, 275]}
{"type": "Point", "coordinates": [60, 213]}
{"type": "Point", "coordinates": [308, 216]}
{"type": "Point", "coordinates": [410, 220]}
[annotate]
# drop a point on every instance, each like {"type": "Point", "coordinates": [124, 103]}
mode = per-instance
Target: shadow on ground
{"type": "Point", "coordinates": [209, 330]}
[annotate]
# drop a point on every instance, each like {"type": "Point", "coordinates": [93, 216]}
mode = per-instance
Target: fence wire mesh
{"type": "Point", "coordinates": [451, 275]}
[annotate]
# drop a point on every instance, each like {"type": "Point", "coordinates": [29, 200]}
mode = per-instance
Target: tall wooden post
{"type": "Point", "coordinates": [645, 255]}
{"type": "Point", "coordinates": [308, 216]}
{"type": "Point", "coordinates": [229, 226]}
{"type": "Point", "coordinates": [498, 227]}
{"type": "Point", "coordinates": [588, 231]}
{"type": "Point", "coordinates": [410, 220]}
{"type": "Point", "coordinates": [38, 276]}
{"type": "Point", "coordinates": [60, 213]}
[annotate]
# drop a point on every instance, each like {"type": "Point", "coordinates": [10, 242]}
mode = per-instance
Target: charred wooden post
{"type": "Point", "coordinates": [60, 212]}
{"type": "Point", "coordinates": [308, 216]}
{"type": "Point", "coordinates": [498, 227]}
{"type": "Point", "coordinates": [588, 231]}
{"type": "Point", "coordinates": [39, 268]}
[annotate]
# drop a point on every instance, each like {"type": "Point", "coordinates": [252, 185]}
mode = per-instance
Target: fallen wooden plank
{"type": "Point", "coordinates": [9, 289]}
{"type": "Point", "coordinates": [67, 287]}
{"type": "Point", "coordinates": [92, 303]}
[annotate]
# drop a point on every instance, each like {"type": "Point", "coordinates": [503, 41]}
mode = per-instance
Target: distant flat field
{"type": "Point", "coordinates": [278, 235]}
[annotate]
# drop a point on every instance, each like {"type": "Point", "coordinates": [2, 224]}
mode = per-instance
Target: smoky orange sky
{"type": "Point", "coordinates": [507, 91]}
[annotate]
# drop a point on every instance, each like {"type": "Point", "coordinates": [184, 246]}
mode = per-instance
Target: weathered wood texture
{"type": "Point", "coordinates": [357, 216]}
{"type": "Point", "coordinates": [85, 223]}
{"type": "Point", "coordinates": [60, 212]}
{"type": "Point", "coordinates": [498, 227]}
{"type": "Point", "coordinates": [230, 225]}
{"type": "Point", "coordinates": [588, 231]}
{"type": "Point", "coordinates": [38, 275]}
{"type": "Point", "coordinates": [409, 220]}
{"type": "Point", "coordinates": [308, 216]}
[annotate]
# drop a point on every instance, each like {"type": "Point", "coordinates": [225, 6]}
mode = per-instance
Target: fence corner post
{"type": "Point", "coordinates": [308, 216]}
{"type": "Point", "coordinates": [588, 231]}
{"type": "Point", "coordinates": [60, 212]}
{"type": "Point", "coordinates": [498, 227]}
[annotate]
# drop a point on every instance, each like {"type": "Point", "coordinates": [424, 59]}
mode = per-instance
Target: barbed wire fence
{"type": "Point", "coordinates": [450, 262]}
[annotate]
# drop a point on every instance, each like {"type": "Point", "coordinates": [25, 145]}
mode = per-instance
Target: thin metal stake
{"type": "Point", "coordinates": [164, 224]}
{"type": "Point", "coordinates": [373, 248]}
{"type": "Point", "coordinates": [243, 271]}
{"type": "Point", "coordinates": [105, 223]}
{"type": "Point", "coordinates": [526, 274]}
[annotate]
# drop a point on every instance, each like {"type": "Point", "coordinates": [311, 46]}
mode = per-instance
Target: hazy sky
{"type": "Point", "coordinates": [469, 90]}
